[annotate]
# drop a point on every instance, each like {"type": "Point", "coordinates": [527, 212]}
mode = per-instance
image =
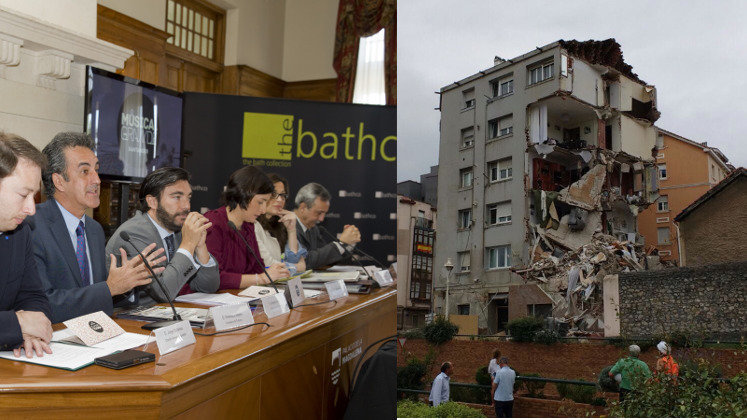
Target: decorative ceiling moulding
{"type": "Point", "coordinates": [37, 35]}
{"type": "Point", "coordinates": [52, 65]}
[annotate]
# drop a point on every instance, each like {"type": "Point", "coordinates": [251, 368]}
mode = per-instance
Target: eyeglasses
{"type": "Point", "coordinates": [276, 196]}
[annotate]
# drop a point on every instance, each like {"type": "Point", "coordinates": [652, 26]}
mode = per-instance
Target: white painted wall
{"type": "Point", "coordinates": [309, 39]}
{"type": "Point", "coordinates": [152, 12]}
{"type": "Point", "coordinates": [73, 15]}
{"type": "Point", "coordinates": [637, 139]}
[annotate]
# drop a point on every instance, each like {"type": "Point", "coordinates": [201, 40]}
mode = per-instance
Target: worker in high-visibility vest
{"type": "Point", "coordinates": [666, 364]}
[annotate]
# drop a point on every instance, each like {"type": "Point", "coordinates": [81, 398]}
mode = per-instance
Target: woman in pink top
{"type": "Point", "coordinates": [245, 198]}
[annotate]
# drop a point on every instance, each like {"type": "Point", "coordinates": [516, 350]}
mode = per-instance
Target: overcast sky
{"type": "Point", "coordinates": [694, 52]}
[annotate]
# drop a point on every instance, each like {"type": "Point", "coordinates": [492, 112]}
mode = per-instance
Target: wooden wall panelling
{"type": "Point", "coordinates": [148, 63]}
{"type": "Point", "coordinates": [313, 90]}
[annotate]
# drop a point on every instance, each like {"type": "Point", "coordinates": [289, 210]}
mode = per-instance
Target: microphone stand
{"type": "Point", "coordinates": [355, 258]}
{"type": "Point", "coordinates": [158, 324]}
{"type": "Point", "coordinates": [256, 258]}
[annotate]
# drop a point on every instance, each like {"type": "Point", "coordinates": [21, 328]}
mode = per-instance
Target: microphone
{"type": "Point", "coordinates": [256, 258]}
{"type": "Point", "coordinates": [158, 324]}
{"type": "Point", "coordinates": [352, 255]}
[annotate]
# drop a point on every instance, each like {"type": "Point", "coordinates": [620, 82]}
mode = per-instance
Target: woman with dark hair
{"type": "Point", "coordinates": [245, 199]}
{"type": "Point", "coordinates": [276, 230]}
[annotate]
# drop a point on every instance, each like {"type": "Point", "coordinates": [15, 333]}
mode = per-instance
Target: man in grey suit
{"type": "Point", "coordinates": [165, 218]}
{"type": "Point", "coordinates": [68, 245]}
{"type": "Point", "coordinates": [312, 205]}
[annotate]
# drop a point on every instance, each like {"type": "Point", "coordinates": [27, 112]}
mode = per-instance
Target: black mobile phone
{"type": "Point", "coordinates": [125, 359]}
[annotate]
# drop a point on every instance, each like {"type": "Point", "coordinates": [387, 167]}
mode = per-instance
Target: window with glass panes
{"type": "Point", "coordinates": [498, 257]}
{"type": "Point", "coordinates": [194, 27]}
{"type": "Point", "coordinates": [422, 263]}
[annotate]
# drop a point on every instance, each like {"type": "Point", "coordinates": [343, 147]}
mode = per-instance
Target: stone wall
{"type": "Point", "coordinates": [710, 299]}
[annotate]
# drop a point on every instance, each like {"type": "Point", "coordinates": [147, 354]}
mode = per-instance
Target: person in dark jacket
{"type": "Point", "coordinates": [24, 308]}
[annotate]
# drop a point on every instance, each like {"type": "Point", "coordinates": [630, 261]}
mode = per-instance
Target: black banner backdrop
{"type": "Point", "coordinates": [350, 149]}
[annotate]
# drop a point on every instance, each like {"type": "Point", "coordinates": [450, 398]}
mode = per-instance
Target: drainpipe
{"type": "Point", "coordinates": [679, 244]}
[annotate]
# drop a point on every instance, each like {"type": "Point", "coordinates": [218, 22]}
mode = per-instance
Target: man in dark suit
{"type": "Point", "coordinates": [69, 245]}
{"type": "Point", "coordinates": [312, 205]}
{"type": "Point", "coordinates": [165, 198]}
{"type": "Point", "coordinates": [24, 309]}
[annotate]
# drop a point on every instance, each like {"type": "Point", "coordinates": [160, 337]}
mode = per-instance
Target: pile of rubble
{"type": "Point", "coordinates": [573, 279]}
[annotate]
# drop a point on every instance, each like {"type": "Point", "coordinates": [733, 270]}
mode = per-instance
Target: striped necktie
{"type": "Point", "coordinates": [80, 252]}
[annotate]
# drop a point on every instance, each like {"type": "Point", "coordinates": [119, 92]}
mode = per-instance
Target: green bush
{"type": "Point", "coordinates": [546, 337]}
{"type": "Point", "coordinates": [534, 388]}
{"type": "Point", "coordinates": [415, 333]}
{"type": "Point", "coordinates": [412, 375]}
{"type": "Point", "coordinates": [450, 409]}
{"type": "Point", "coordinates": [523, 329]}
{"type": "Point", "coordinates": [469, 394]}
{"type": "Point", "coordinates": [698, 392]}
{"type": "Point", "coordinates": [579, 393]}
{"type": "Point", "coordinates": [440, 331]}
{"type": "Point", "coordinates": [605, 383]}
{"type": "Point", "coordinates": [482, 377]}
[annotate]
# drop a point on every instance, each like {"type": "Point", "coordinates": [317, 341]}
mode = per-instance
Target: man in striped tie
{"type": "Point", "coordinates": [69, 245]}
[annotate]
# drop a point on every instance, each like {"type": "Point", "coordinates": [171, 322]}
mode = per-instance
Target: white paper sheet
{"type": "Point", "coordinates": [64, 356]}
{"type": "Point", "coordinates": [212, 299]}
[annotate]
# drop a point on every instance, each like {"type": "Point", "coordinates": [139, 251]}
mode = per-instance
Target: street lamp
{"type": "Point", "coordinates": [448, 265]}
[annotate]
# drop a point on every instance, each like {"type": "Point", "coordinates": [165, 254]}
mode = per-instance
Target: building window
{"type": "Point", "coordinates": [463, 309]}
{"type": "Point", "coordinates": [499, 213]}
{"type": "Point", "coordinates": [465, 219]}
{"type": "Point", "coordinates": [540, 310]}
{"type": "Point", "coordinates": [662, 204]}
{"type": "Point", "coordinates": [540, 73]}
{"type": "Point", "coordinates": [468, 97]}
{"type": "Point", "coordinates": [465, 178]}
{"type": "Point", "coordinates": [503, 86]}
{"type": "Point", "coordinates": [500, 170]}
{"type": "Point", "coordinates": [663, 235]}
{"type": "Point", "coordinates": [498, 256]}
{"type": "Point", "coordinates": [197, 27]}
{"type": "Point", "coordinates": [502, 126]}
{"type": "Point", "coordinates": [464, 261]}
{"type": "Point", "coordinates": [659, 142]}
{"type": "Point", "coordinates": [415, 290]}
{"type": "Point", "coordinates": [663, 171]}
{"type": "Point", "coordinates": [468, 137]}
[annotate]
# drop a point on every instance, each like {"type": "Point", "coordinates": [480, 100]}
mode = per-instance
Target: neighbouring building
{"type": "Point", "coordinates": [713, 229]}
{"type": "Point", "coordinates": [686, 170]}
{"type": "Point", "coordinates": [411, 189]}
{"type": "Point", "coordinates": [416, 237]}
{"type": "Point", "coordinates": [429, 185]}
{"type": "Point", "coordinates": [539, 155]}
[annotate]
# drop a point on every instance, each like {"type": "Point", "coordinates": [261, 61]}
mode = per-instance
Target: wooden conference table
{"type": "Point", "coordinates": [299, 368]}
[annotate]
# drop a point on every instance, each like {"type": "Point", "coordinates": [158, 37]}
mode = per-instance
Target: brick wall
{"type": "Point", "coordinates": [710, 299]}
{"type": "Point", "coordinates": [562, 361]}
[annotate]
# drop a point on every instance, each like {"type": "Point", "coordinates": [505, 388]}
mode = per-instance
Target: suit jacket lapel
{"type": "Point", "coordinates": [62, 237]}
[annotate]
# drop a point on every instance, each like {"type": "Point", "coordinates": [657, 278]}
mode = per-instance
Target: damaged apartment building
{"type": "Point", "coordinates": [545, 162]}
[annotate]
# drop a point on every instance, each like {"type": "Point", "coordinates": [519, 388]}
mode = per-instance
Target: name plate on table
{"type": "Point", "coordinates": [231, 316]}
{"type": "Point", "coordinates": [336, 289]}
{"type": "Point", "coordinates": [94, 328]}
{"type": "Point", "coordinates": [174, 336]}
{"type": "Point", "coordinates": [294, 291]}
{"type": "Point", "coordinates": [383, 277]}
{"type": "Point", "coordinates": [275, 305]}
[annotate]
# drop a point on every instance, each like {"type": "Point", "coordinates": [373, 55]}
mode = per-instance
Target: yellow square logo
{"type": "Point", "coordinates": [267, 136]}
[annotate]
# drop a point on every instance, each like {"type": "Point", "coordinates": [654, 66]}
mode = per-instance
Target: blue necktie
{"type": "Point", "coordinates": [80, 252]}
{"type": "Point", "coordinates": [170, 246]}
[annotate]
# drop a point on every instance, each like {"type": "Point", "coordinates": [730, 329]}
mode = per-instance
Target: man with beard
{"type": "Point", "coordinates": [68, 245]}
{"type": "Point", "coordinates": [165, 218]}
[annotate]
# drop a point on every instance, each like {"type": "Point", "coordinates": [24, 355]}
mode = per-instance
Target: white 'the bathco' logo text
{"type": "Point", "coordinates": [332, 215]}
{"type": "Point", "coordinates": [359, 215]}
{"type": "Point", "coordinates": [381, 194]}
{"type": "Point", "coordinates": [344, 193]}
{"type": "Point", "coordinates": [380, 237]}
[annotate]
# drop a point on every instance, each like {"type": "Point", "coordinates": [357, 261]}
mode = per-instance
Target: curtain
{"type": "Point", "coordinates": [369, 86]}
{"type": "Point", "coordinates": [361, 18]}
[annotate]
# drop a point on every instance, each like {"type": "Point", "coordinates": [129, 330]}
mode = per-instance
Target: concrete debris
{"type": "Point", "coordinates": [574, 281]}
{"type": "Point", "coordinates": [585, 192]}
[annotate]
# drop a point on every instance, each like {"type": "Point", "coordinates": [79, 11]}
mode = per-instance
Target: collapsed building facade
{"type": "Point", "coordinates": [550, 158]}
